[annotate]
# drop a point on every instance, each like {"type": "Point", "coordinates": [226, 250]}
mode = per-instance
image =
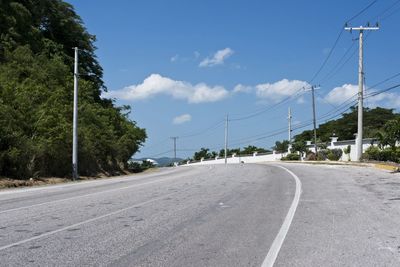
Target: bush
{"type": "Point", "coordinates": [347, 150]}
{"type": "Point", "coordinates": [136, 167]}
{"type": "Point", "coordinates": [323, 154]}
{"type": "Point", "coordinates": [335, 154]}
{"type": "Point", "coordinates": [291, 156]}
{"type": "Point", "coordinates": [387, 154]}
{"type": "Point", "coordinates": [311, 156]}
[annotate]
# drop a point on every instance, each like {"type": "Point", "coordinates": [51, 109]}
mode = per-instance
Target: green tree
{"type": "Point", "coordinates": [36, 86]}
{"type": "Point", "coordinates": [281, 147]}
{"type": "Point", "coordinates": [203, 153]}
{"type": "Point", "coordinates": [251, 149]}
{"type": "Point", "coordinates": [346, 126]}
{"type": "Point", "coordinates": [299, 146]}
{"type": "Point", "coordinates": [391, 133]}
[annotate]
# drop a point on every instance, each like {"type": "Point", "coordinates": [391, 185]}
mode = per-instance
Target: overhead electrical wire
{"type": "Point", "coordinates": [379, 16]}
{"type": "Point", "coordinates": [332, 73]}
{"type": "Point", "coordinates": [298, 93]}
{"type": "Point", "coordinates": [212, 127]}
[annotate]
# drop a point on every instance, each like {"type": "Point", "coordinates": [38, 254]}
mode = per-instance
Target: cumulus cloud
{"type": "Point", "coordinates": [342, 93]}
{"type": "Point", "coordinates": [156, 84]}
{"type": "Point", "coordinates": [240, 88]}
{"type": "Point", "coordinates": [217, 59]}
{"type": "Point", "coordinates": [347, 91]}
{"type": "Point", "coordinates": [182, 119]}
{"type": "Point", "coordinates": [280, 89]}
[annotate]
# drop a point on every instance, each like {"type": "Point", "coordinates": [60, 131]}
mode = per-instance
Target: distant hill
{"type": "Point", "coordinates": [162, 162]}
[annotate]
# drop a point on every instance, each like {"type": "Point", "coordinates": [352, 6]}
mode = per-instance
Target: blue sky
{"type": "Point", "coordinates": [183, 65]}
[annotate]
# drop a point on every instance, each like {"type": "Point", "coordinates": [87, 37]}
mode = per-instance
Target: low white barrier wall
{"type": "Point", "coordinates": [239, 159]}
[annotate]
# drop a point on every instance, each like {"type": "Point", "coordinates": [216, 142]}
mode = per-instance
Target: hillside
{"type": "Point", "coordinates": [346, 126]}
{"type": "Point", "coordinates": [36, 86]}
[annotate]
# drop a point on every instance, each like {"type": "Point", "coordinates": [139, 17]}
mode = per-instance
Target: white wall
{"type": "Point", "coordinates": [247, 159]}
{"type": "Point", "coordinates": [353, 150]}
{"type": "Point", "coordinates": [278, 156]}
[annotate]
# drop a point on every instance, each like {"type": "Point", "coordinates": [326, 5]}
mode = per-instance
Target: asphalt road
{"type": "Point", "coordinates": [235, 215]}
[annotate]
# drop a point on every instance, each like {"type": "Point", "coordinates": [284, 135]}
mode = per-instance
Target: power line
{"type": "Point", "coordinates": [328, 56]}
{"type": "Point", "coordinates": [378, 17]}
{"type": "Point", "coordinates": [212, 127]}
{"type": "Point", "coordinates": [385, 80]}
{"type": "Point", "coordinates": [362, 11]}
{"type": "Point", "coordinates": [337, 41]}
{"type": "Point", "coordinates": [160, 154]}
{"type": "Point", "coordinates": [333, 72]}
{"type": "Point", "coordinates": [298, 93]}
{"type": "Point", "coordinates": [382, 91]}
{"type": "Point", "coordinates": [359, 138]}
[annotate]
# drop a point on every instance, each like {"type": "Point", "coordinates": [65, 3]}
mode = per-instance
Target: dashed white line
{"type": "Point", "coordinates": [91, 194]}
{"type": "Point", "coordinates": [278, 241]}
{"type": "Point", "coordinates": [83, 222]}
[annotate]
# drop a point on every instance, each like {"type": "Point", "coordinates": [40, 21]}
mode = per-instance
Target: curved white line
{"type": "Point", "coordinates": [278, 241]}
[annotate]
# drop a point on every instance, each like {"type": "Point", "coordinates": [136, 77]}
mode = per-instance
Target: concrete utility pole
{"type": "Point", "coordinates": [75, 120]}
{"type": "Point", "coordinates": [174, 138]}
{"type": "Point", "coordinates": [314, 119]}
{"type": "Point", "coordinates": [226, 139]}
{"type": "Point", "coordinates": [290, 126]}
{"type": "Point", "coordinates": [359, 139]}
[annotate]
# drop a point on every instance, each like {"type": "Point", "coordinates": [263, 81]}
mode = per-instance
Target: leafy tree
{"type": "Point", "coordinates": [391, 133]}
{"type": "Point", "coordinates": [203, 153]}
{"type": "Point", "coordinates": [36, 87]}
{"type": "Point", "coordinates": [299, 146]}
{"type": "Point", "coordinates": [251, 149]}
{"type": "Point", "coordinates": [346, 126]}
{"type": "Point", "coordinates": [281, 147]}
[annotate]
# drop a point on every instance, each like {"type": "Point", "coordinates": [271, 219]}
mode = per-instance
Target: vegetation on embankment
{"type": "Point", "coordinates": [36, 88]}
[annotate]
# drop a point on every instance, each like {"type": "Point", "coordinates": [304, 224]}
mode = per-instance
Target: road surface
{"type": "Point", "coordinates": [235, 215]}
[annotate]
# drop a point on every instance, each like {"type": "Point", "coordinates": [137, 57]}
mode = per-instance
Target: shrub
{"type": "Point", "coordinates": [347, 150]}
{"type": "Point", "coordinates": [335, 154]}
{"type": "Point", "coordinates": [311, 156]}
{"type": "Point", "coordinates": [387, 154]}
{"type": "Point", "coordinates": [292, 156]}
{"type": "Point", "coordinates": [322, 154]}
{"type": "Point", "coordinates": [136, 167]}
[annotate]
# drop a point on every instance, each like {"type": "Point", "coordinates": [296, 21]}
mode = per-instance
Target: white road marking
{"type": "Point", "coordinates": [76, 183]}
{"type": "Point", "coordinates": [90, 194]}
{"type": "Point", "coordinates": [278, 241]}
{"type": "Point", "coordinates": [83, 222]}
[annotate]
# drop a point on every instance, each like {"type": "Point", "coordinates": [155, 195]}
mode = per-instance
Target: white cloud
{"type": "Point", "coordinates": [182, 119]}
{"type": "Point", "coordinates": [280, 89]}
{"type": "Point", "coordinates": [174, 58]}
{"type": "Point", "coordinates": [196, 54]}
{"type": "Point", "coordinates": [156, 84]}
{"type": "Point", "coordinates": [240, 88]}
{"type": "Point", "coordinates": [217, 59]}
{"type": "Point", "coordinates": [388, 100]}
{"type": "Point", "coordinates": [340, 94]}
{"type": "Point", "coordinates": [301, 100]}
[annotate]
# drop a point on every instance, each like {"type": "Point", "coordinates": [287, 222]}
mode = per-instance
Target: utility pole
{"type": "Point", "coordinates": [290, 128]}
{"type": "Point", "coordinates": [226, 139]}
{"type": "Point", "coordinates": [75, 120]}
{"type": "Point", "coordinates": [359, 139]}
{"type": "Point", "coordinates": [290, 125]}
{"type": "Point", "coordinates": [174, 138]}
{"type": "Point", "coordinates": [314, 119]}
